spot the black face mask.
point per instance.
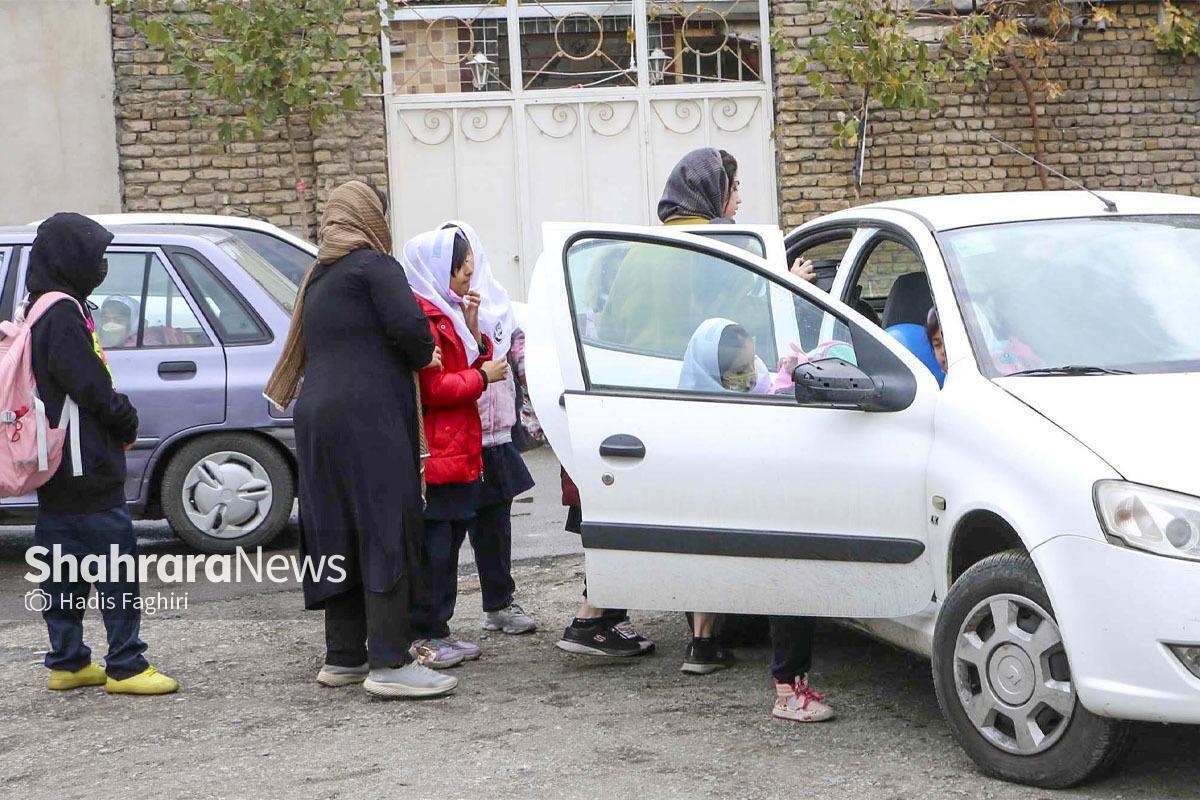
(103, 270)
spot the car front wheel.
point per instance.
(227, 491)
(1004, 683)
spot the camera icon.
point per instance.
(37, 600)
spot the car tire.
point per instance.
(999, 663)
(240, 482)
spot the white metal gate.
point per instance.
(526, 147)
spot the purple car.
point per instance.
(193, 321)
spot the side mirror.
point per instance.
(834, 383)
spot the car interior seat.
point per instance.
(909, 300)
(904, 314)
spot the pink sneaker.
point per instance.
(798, 702)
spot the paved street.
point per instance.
(528, 720)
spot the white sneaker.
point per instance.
(334, 676)
(798, 702)
(512, 620)
(411, 680)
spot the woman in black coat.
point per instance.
(357, 337)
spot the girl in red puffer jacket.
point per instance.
(439, 265)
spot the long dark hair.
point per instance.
(461, 248)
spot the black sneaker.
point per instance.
(625, 628)
(600, 639)
(705, 656)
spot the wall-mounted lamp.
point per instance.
(479, 64)
(658, 65)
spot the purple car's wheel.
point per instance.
(227, 491)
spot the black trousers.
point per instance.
(491, 539)
(792, 647)
(368, 627)
(443, 541)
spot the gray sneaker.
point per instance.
(470, 651)
(411, 680)
(511, 620)
(334, 676)
(436, 654)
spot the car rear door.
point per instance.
(720, 501)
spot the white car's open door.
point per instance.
(697, 498)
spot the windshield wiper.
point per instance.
(1072, 369)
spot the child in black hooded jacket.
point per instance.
(85, 515)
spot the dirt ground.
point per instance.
(527, 720)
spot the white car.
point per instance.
(287, 252)
(1032, 526)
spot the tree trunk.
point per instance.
(303, 195)
(1014, 61)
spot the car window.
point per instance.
(747, 241)
(141, 307)
(659, 316)
(281, 288)
(292, 261)
(234, 322)
(892, 284)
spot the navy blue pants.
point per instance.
(443, 539)
(791, 647)
(490, 532)
(82, 535)
(491, 539)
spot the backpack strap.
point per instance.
(39, 410)
(32, 313)
(70, 418)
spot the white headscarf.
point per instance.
(496, 318)
(427, 259)
(701, 363)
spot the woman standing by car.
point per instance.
(439, 265)
(357, 337)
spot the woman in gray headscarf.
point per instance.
(701, 189)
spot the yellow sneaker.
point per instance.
(150, 681)
(62, 680)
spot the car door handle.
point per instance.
(622, 445)
(176, 368)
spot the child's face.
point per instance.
(741, 375)
(939, 348)
(460, 282)
(114, 326)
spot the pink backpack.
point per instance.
(30, 450)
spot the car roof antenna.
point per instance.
(1109, 205)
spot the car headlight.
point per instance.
(1167, 523)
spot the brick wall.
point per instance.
(171, 160)
(1128, 120)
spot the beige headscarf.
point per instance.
(353, 220)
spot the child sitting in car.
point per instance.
(721, 357)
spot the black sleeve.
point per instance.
(74, 364)
(402, 319)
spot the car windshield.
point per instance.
(1080, 296)
(281, 288)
